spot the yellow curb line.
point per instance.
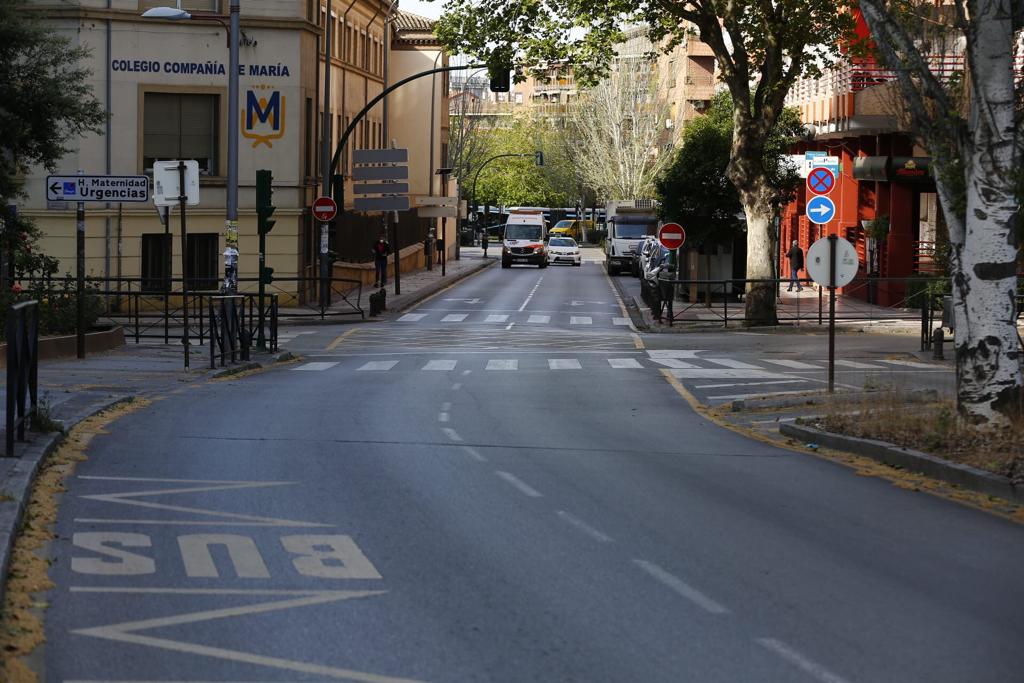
(340, 338)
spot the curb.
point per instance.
(915, 396)
(963, 476)
(22, 476)
(636, 316)
(280, 357)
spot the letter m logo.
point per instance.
(263, 120)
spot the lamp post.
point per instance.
(231, 221)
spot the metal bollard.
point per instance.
(937, 339)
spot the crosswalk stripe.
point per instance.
(412, 317)
(543, 319)
(912, 364)
(502, 364)
(674, 363)
(581, 320)
(620, 321)
(857, 365)
(496, 318)
(795, 364)
(731, 363)
(454, 317)
(726, 373)
(624, 363)
(564, 364)
(315, 366)
(378, 365)
(440, 365)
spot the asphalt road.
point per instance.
(505, 485)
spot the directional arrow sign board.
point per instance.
(818, 262)
(380, 156)
(97, 188)
(821, 180)
(438, 212)
(420, 200)
(381, 188)
(381, 204)
(380, 172)
(671, 235)
(820, 209)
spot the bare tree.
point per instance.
(619, 132)
(468, 137)
(972, 123)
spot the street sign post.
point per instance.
(97, 188)
(168, 181)
(820, 209)
(832, 262)
(821, 180)
(324, 209)
(671, 235)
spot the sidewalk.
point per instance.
(415, 286)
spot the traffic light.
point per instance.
(266, 275)
(539, 157)
(264, 209)
(501, 80)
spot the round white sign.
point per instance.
(846, 262)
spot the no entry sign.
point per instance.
(324, 209)
(821, 180)
(671, 235)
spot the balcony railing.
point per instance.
(852, 77)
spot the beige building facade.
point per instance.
(165, 86)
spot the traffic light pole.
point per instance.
(264, 224)
(339, 182)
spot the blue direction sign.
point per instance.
(820, 210)
(821, 180)
(97, 188)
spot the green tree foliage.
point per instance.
(695, 190)
(761, 46)
(46, 102)
(518, 181)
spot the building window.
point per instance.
(310, 137)
(203, 253)
(156, 261)
(180, 126)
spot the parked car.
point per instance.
(564, 250)
(643, 251)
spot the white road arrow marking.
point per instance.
(467, 301)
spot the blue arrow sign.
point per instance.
(820, 210)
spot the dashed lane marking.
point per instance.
(681, 587)
(584, 527)
(496, 318)
(518, 483)
(539, 319)
(454, 317)
(799, 660)
(581, 320)
(412, 317)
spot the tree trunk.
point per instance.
(984, 282)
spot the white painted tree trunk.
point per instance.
(985, 251)
(748, 177)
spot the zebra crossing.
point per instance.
(684, 365)
(485, 318)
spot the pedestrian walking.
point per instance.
(796, 264)
(483, 243)
(381, 249)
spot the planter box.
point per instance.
(66, 346)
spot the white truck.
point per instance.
(628, 221)
(523, 241)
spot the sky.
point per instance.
(431, 10)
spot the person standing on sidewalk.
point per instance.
(483, 243)
(381, 249)
(796, 263)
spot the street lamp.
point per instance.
(231, 222)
